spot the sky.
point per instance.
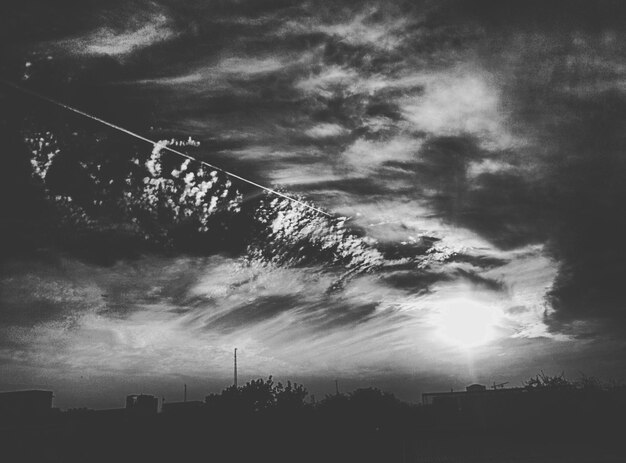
(470, 153)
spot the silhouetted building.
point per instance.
(111, 414)
(24, 404)
(478, 405)
(471, 393)
(476, 388)
(142, 404)
(182, 408)
(560, 409)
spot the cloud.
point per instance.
(139, 33)
(33, 294)
(295, 174)
(233, 69)
(488, 167)
(366, 154)
(265, 153)
(334, 80)
(486, 191)
(162, 317)
(326, 130)
(324, 82)
(528, 278)
(359, 31)
(460, 102)
(370, 27)
(249, 66)
(564, 182)
(167, 317)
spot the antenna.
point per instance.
(235, 369)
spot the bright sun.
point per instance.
(466, 323)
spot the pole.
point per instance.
(235, 369)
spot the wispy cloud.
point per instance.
(359, 31)
(200, 308)
(120, 42)
(250, 66)
(371, 27)
(325, 82)
(232, 75)
(326, 131)
(366, 154)
(295, 174)
(336, 80)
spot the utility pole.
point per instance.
(235, 369)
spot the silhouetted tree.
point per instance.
(546, 382)
(290, 397)
(260, 395)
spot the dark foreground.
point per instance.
(262, 439)
(263, 421)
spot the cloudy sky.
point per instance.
(471, 154)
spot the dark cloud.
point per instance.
(594, 14)
(414, 282)
(261, 309)
(506, 206)
(482, 282)
(577, 118)
(342, 315)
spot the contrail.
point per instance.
(156, 144)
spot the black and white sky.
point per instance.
(472, 154)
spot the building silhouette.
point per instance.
(472, 393)
(24, 405)
(142, 404)
(182, 408)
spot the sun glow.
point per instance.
(466, 323)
